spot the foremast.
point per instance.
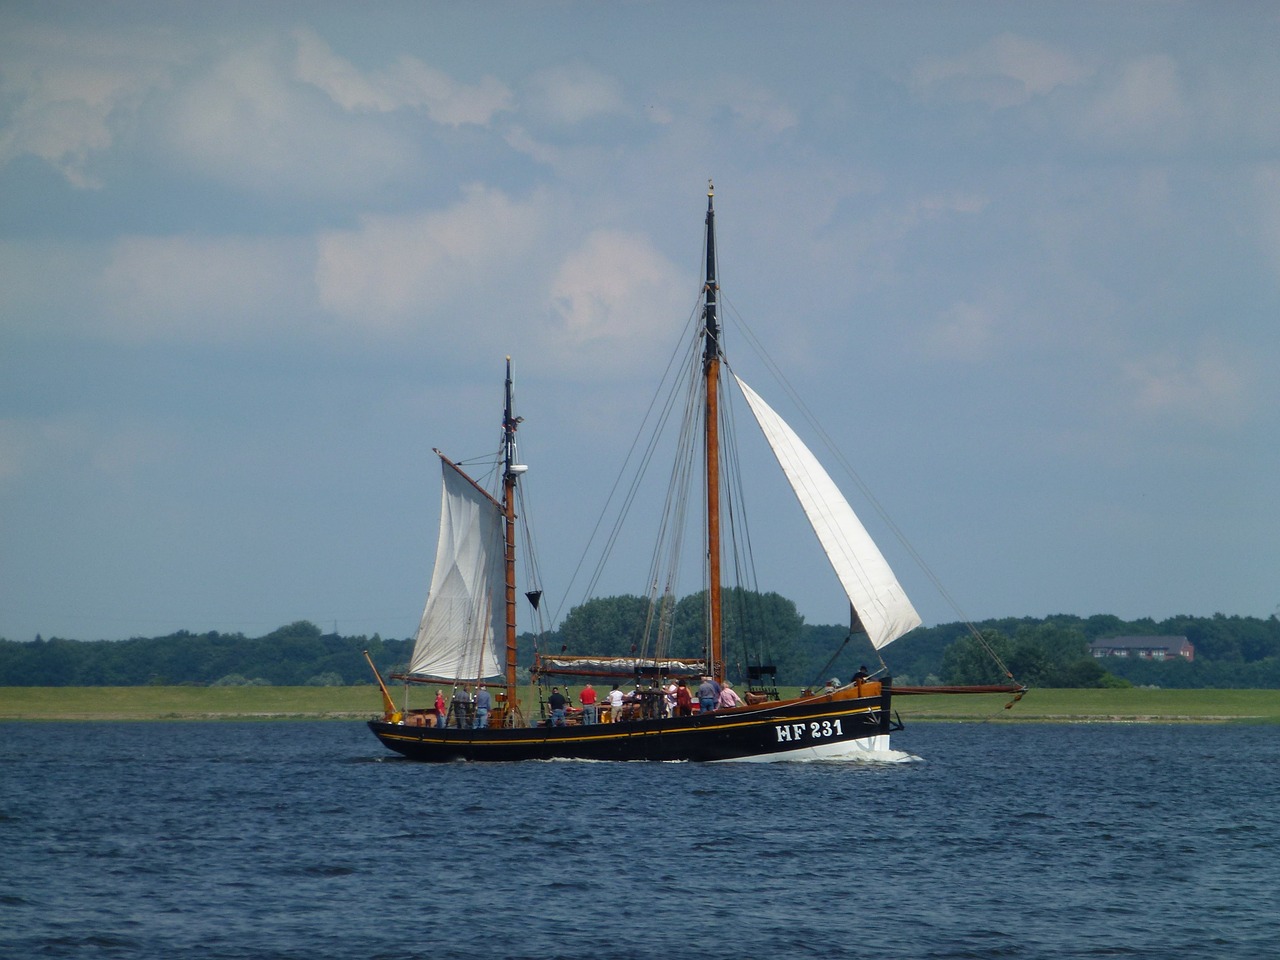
(510, 471)
(711, 434)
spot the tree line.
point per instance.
(1231, 652)
(762, 629)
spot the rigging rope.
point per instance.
(658, 419)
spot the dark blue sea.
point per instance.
(308, 841)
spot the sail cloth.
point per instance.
(464, 611)
(877, 597)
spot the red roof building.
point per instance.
(1144, 648)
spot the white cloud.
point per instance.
(68, 94)
(44, 283)
(445, 100)
(247, 121)
(394, 269)
(873, 245)
(1006, 71)
(315, 63)
(572, 94)
(201, 289)
(757, 108)
(495, 269)
(1143, 104)
(1204, 384)
(965, 331)
(408, 83)
(269, 114)
(616, 288)
(520, 140)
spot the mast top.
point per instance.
(510, 422)
(711, 322)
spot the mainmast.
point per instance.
(711, 373)
(510, 471)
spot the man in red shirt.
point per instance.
(588, 700)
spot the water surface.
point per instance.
(308, 840)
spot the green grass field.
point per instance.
(1259, 706)
(354, 703)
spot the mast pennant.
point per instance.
(878, 600)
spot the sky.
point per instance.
(1022, 261)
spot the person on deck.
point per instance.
(557, 703)
(728, 697)
(442, 709)
(861, 675)
(615, 704)
(461, 706)
(588, 700)
(684, 702)
(483, 703)
(632, 704)
(707, 695)
(669, 699)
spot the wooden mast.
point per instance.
(711, 374)
(509, 473)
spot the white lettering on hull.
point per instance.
(813, 730)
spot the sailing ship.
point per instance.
(466, 640)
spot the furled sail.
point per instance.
(877, 597)
(619, 667)
(464, 607)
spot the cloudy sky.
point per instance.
(257, 259)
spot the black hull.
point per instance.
(813, 728)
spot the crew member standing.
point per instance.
(615, 704)
(707, 695)
(461, 707)
(557, 702)
(483, 703)
(588, 700)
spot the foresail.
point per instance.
(877, 597)
(464, 607)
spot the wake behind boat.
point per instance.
(466, 642)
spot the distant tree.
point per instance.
(607, 625)
(330, 679)
(756, 628)
(918, 656)
(1231, 651)
(297, 629)
(1044, 655)
(1086, 672)
(968, 661)
(1103, 625)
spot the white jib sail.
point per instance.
(464, 606)
(876, 595)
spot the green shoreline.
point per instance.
(359, 703)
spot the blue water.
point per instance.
(307, 840)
